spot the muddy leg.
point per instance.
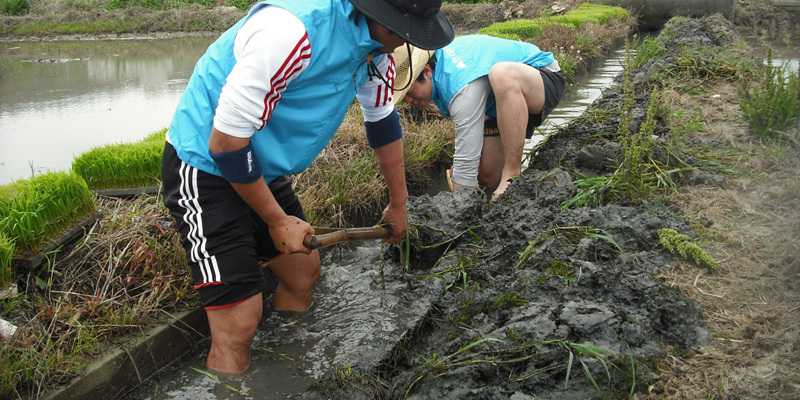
(296, 275)
(519, 91)
(232, 332)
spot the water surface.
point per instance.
(60, 99)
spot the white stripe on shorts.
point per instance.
(193, 217)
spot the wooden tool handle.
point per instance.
(343, 235)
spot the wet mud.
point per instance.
(536, 300)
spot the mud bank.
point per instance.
(541, 301)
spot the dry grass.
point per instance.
(126, 273)
(751, 306)
(344, 185)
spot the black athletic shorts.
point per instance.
(223, 237)
(554, 86)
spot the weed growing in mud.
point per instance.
(771, 103)
(587, 350)
(679, 243)
(630, 181)
(218, 380)
(570, 233)
(508, 299)
(497, 353)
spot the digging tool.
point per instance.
(328, 236)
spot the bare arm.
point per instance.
(287, 232)
(392, 164)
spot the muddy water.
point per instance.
(59, 99)
(362, 307)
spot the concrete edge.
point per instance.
(123, 368)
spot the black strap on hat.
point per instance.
(372, 70)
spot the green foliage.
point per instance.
(572, 234)
(517, 29)
(680, 243)
(125, 165)
(240, 4)
(156, 5)
(637, 149)
(508, 299)
(527, 29)
(583, 350)
(591, 13)
(6, 254)
(562, 269)
(51, 27)
(14, 7)
(650, 49)
(771, 103)
(36, 210)
(638, 175)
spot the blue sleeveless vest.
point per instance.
(312, 106)
(470, 57)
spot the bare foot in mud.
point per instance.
(501, 188)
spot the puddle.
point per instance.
(363, 306)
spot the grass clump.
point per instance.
(771, 103)
(36, 210)
(345, 183)
(123, 165)
(6, 255)
(679, 243)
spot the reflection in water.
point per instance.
(60, 99)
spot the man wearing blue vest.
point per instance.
(263, 101)
(496, 91)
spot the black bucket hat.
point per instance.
(419, 22)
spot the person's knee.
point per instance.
(501, 78)
(298, 273)
(489, 179)
(236, 326)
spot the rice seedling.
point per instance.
(123, 165)
(36, 210)
(6, 255)
(527, 29)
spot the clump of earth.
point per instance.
(538, 299)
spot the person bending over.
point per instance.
(496, 91)
(263, 101)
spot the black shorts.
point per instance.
(223, 237)
(554, 86)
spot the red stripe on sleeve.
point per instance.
(290, 67)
